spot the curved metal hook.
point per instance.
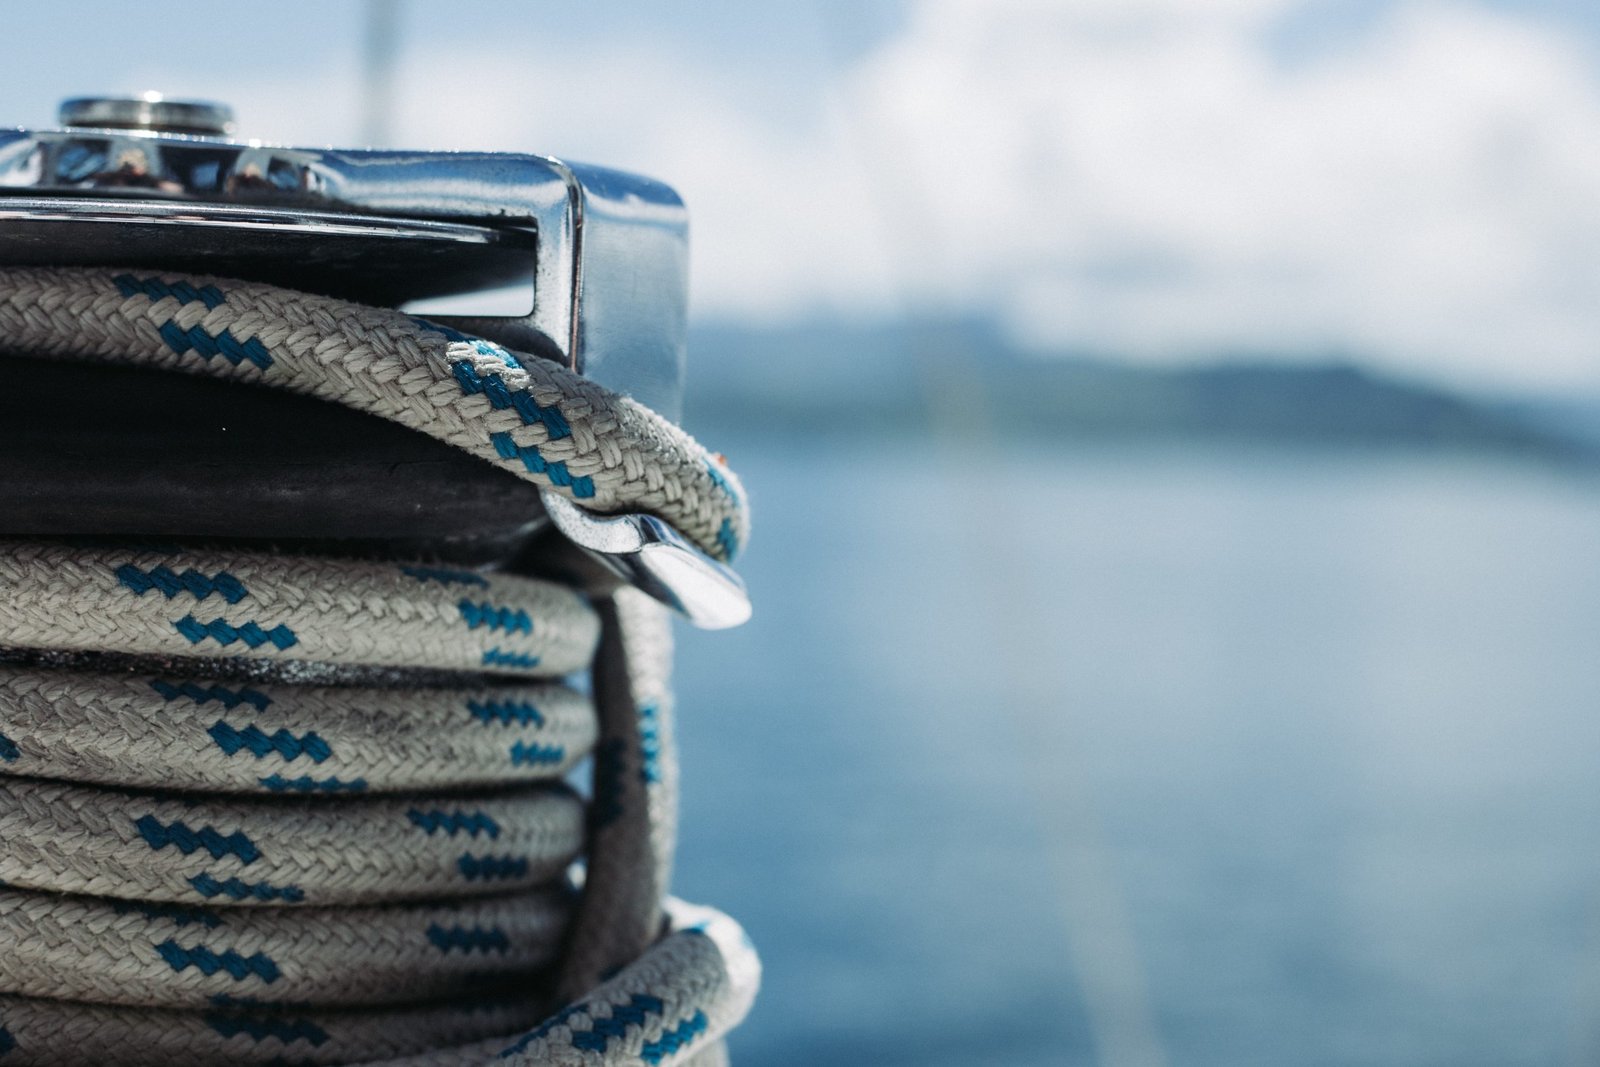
(653, 557)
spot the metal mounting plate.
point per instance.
(601, 255)
(367, 258)
(609, 249)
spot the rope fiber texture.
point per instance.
(264, 808)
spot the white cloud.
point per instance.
(1137, 177)
(1429, 197)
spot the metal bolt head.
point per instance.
(148, 111)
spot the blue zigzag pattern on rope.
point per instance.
(502, 396)
(720, 481)
(469, 939)
(285, 1030)
(7, 1042)
(479, 345)
(650, 744)
(454, 822)
(491, 868)
(234, 889)
(582, 486)
(727, 540)
(223, 344)
(445, 575)
(156, 289)
(170, 583)
(495, 657)
(511, 620)
(159, 835)
(279, 784)
(535, 755)
(671, 1041)
(207, 962)
(200, 694)
(8, 749)
(507, 712)
(225, 633)
(261, 744)
(636, 1012)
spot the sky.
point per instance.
(1412, 185)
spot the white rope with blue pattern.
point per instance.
(258, 808)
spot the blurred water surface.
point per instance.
(1055, 756)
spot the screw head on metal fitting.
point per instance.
(147, 111)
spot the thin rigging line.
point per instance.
(380, 44)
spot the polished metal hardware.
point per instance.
(597, 258)
(650, 555)
(603, 255)
(149, 111)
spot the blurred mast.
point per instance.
(380, 42)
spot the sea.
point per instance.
(1045, 753)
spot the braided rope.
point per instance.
(60, 1033)
(636, 769)
(75, 839)
(111, 952)
(364, 872)
(164, 732)
(286, 608)
(696, 982)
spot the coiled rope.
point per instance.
(259, 808)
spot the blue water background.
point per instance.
(1048, 754)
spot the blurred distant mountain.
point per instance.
(1574, 419)
(915, 378)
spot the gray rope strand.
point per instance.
(114, 952)
(691, 986)
(279, 851)
(166, 731)
(58, 1033)
(287, 608)
(654, 1030)
(634, 811)
(668, 1008)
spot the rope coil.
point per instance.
(164, 732)
(116, 952)
(74, 839)
(210, 854)
(287, 608)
